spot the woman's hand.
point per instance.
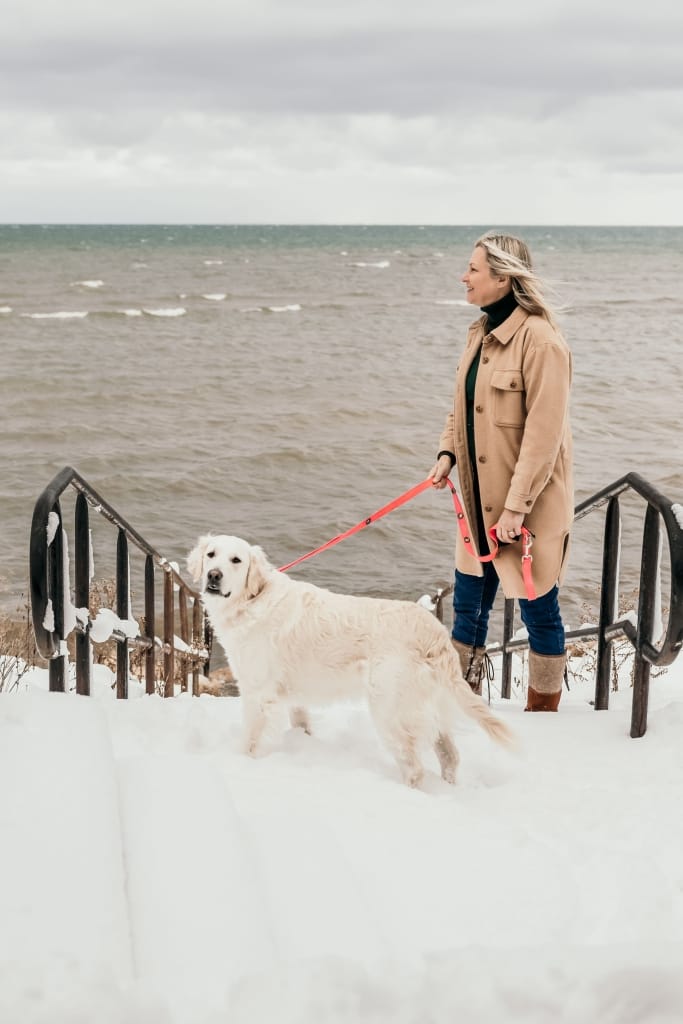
(509, 526)
(440, 471)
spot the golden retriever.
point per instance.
(291, 644)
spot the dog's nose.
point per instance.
(213, 578)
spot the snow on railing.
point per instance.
(56, 616)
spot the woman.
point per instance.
(509, 434)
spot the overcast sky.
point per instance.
(382, 111)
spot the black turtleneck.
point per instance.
(499, 310)
(496, 314)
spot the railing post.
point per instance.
(196, 641)
(150, 628)
(55, 593)
(184, 635)
(82, 592)
(208, 644)
(508, 630)
(169, 667)
(609, 601)
(123, 612)
(646, 620)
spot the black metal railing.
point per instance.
(659, 510)
(51, 597)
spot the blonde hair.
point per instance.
(508, 256)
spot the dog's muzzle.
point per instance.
(213, 581)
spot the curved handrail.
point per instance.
(48, 640)
(610, 627)
(672, 640)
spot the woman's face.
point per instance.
(481, 287)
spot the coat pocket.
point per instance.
(509, 406)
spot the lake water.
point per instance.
(281, 383)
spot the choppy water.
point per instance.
(281, 383)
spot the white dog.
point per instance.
(292, 644)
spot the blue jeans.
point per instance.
(473, 598)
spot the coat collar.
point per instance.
(505, 331)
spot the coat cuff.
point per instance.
(450, 455)
(517, 502)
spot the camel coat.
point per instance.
(523, 444)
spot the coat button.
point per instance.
(513, 383)
(488, 508)
(480, 408)
(527, 502)
(484, 359)
(482, 458)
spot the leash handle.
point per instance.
(527, 541)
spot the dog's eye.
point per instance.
(210, 554)
(235, 560)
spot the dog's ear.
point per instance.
(196, 557)
(259, 567)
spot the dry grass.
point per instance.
(18, 651)
(585, 652)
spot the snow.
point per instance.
(49, 617)
(107, 622)
(52, 527)
(154, 874)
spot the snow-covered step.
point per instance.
(199, 920)
(319, 903)
(62, 882)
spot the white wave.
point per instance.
(88, 284)
(452, 302)
(381, 264)
(5, 309)
(176, 311)
(213, 263)
(139, 266)
(131, 312)
(294, 307)
(215, 297)
(62, 315)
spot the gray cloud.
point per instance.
(244, 98)
(423, 71)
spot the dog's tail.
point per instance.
(474, 706)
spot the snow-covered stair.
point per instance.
(62, 871)
(198, 916)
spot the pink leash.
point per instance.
(527, 536)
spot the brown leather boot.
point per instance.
(546, 675)
(471, 664)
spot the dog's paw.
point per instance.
(299, 720)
